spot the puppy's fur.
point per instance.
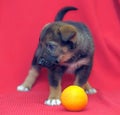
(65, 46)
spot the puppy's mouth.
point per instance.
(50, 62)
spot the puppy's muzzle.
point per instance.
(52, 61)
(43, 62)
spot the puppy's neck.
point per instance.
(71, 67)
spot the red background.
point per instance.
(20, 24)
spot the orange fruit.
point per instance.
(74, 98)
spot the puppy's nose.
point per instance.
(44, 62)
(49, 62)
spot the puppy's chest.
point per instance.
(73, 64)
(71, 68)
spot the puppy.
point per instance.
(65, 46)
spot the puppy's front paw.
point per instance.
(22, 88)
(91, 91)
(53, 102)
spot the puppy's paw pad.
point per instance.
(22, 88)
(91, 91)
(53, 102)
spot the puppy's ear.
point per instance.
(67, 32)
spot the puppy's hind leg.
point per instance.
(82, 76)
(29, 81)
(89, 89)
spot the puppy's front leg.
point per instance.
(55, 89)
(29, 81)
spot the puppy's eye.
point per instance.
(51, 47)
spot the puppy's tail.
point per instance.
(62, 12)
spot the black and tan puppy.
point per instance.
(64, 47)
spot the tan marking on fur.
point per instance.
(65, 57)
(72, 67)
(65, 49)
(55, 92)
(76, 81)
(31, 78)
(86, 86)
(67, 32)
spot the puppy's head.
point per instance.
(57, 44)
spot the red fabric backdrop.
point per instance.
(20, 25)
